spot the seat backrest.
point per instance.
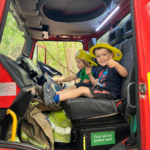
(128, 57)
(127, 29)
(115, 36)
(126, 47)
(127, 51)
(128, 62)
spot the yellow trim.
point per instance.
(85, 55)
(84, 142)
(14, 125)
(148, 78)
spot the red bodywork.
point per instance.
(6, 101)
(142, 31)
(2, 8)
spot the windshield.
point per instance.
(12, 39)
(59, 55)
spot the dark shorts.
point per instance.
(83, 84)
(101, 94)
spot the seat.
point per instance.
(84, 108)
(115, 37)
(128, 44)
(127, 29)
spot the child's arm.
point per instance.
(67, 79)
(86, 77)
(121, 70)
(92, 79)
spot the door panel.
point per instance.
(141, 12)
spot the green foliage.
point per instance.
(12, 39)
(59, 55)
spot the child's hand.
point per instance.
(111, 63)
(58, 81)
(88, 70)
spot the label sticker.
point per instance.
(118, 54)
(102, 138)
(8, 89)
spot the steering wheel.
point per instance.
(46, 68)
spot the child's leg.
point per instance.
(60, 92)
(70, 88)
(65, 90)
(51, 98)
(84, 91)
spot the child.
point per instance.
(108, 84)
(83, 60)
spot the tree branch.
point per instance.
(58, 61)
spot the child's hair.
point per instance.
(86, 63)
(109, 51)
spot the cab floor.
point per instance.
(60, 146)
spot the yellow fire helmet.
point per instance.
(117, 53)
(85, 55)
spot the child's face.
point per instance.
(103, 56)
(80, 63)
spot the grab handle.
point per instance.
(128, 95)
(14, 125)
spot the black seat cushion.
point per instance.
(83, 108)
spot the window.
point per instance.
(12, 40)
(104, 38)
(59, 55)
(122, 22)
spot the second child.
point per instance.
(83, 60)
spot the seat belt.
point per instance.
(131, 142)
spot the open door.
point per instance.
(141, 32)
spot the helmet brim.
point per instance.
(117, 53)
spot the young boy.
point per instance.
(83, 60)
(108, 84)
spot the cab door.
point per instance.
(140, 10)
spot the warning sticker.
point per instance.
(102, 138)
(7, 89)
